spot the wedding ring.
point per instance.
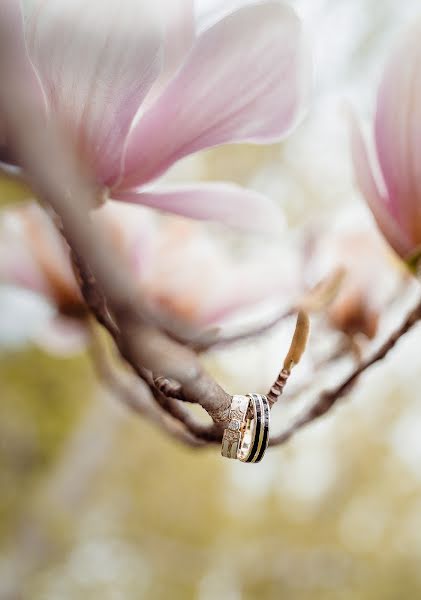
(255, 437)
(234, 432)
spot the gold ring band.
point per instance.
(234, 432)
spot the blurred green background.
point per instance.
(96, 504)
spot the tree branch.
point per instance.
(135, 394)
(329, 398)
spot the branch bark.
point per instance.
(135, 394)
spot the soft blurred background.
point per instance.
(96, 504)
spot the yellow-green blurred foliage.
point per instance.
(96, 504)
(12, 191)
(41, 401)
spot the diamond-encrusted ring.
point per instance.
(255, 437)
(236, 426)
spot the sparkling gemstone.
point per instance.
(234, 425)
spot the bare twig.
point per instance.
(296, 350)
(135, 394)
(314, 300)
(212, 339)
(329, 398)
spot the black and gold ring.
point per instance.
(256, 436)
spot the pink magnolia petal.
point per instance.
(377, 202)
(97, 61)
(242, 81)
(179, 36)
(209, 12)
(190, 275)
(246, 288)
(19, 64)
(132, 231)
(167, 260)
(398, 131)
(222, 202)
(34, 256)
(180, 24)
(18, 266)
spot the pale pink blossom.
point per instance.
(34, 257)
(389, 174)
(369, 274)
(139, 87)
(368, 282)
(185, 273)
(188, 273)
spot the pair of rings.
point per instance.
(247, 434)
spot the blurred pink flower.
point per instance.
(138, 88)
(189, 274)
(390, 177)
(183, 271)
(34, 257)
(365, 260)
(370, 276)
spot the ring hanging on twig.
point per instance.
(247, 434)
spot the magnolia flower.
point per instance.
(191, 275)
(390, 178)
(34, 257)
(184, 272)
(357, 308)
(369, 276)
(138, 88)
